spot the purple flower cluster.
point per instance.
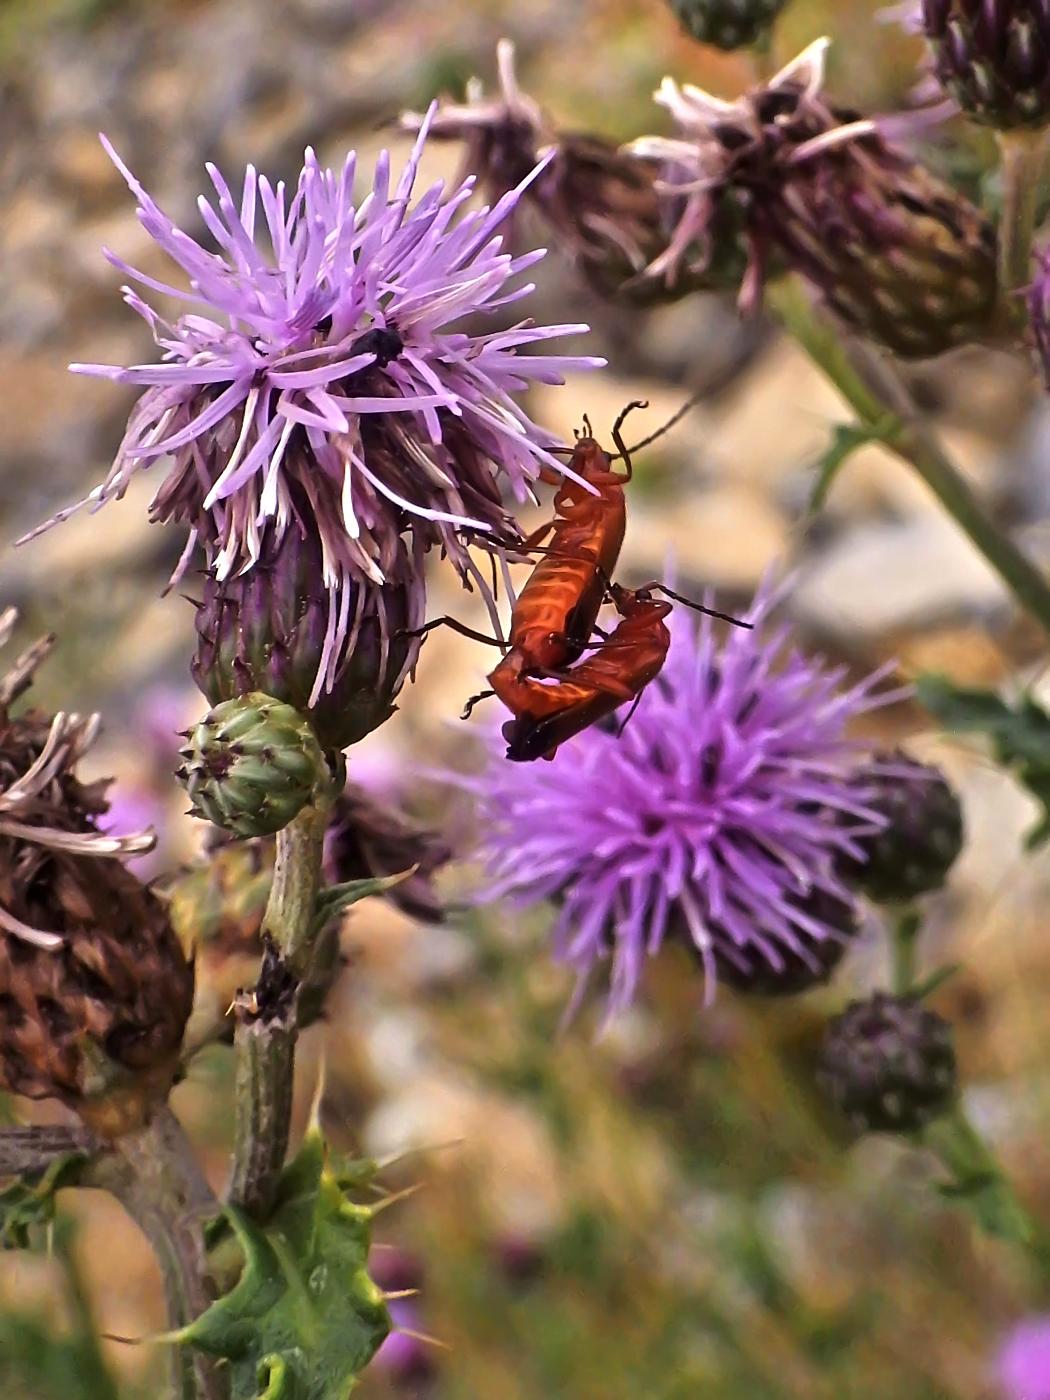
(319, 381)
(718, 816)
(1023, 1363)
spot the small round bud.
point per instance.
(728, 24)
(888, 1064)
(993, 57)
(251, 765)
(769, 967)
(922, 835)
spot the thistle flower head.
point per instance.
(320, 377)
(1023, 1362)
(716, 816)
(44, 807)
(94, 989)
(602, 202)
(728, 24)
(892, 249)
(992, 57)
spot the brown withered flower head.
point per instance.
(896, 252)
(94, 988)
(602, 202)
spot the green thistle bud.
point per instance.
(252, 764)
(922, 835)
(993, 57)
(728, 24)
(888, 1064)
(271, 630)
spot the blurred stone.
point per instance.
(881, 577)
(728, 535)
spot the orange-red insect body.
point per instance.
(547, 714)
(555, 613)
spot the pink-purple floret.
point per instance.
(722, 806)
(271, 341)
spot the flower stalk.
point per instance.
(155, 1176)
(267, 1019)
(1023, 161)
(873, 388)
(977, 1180)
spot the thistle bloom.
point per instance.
(1023, 1363)
(992, 56)
(319, 377)
(719, 816)
(893, 250)
(603, 203)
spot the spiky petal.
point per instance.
(321, 376)
(718, 815)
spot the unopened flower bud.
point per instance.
(993, 57)
(728, 24)
(922, 833)
(888, 1064)
(252, 765)
(271, 630)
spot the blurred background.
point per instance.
(665, 1211)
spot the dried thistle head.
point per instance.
(94, 988)
(892, 249)
(603, 202)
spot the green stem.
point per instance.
(977, 1180)
(907, 923)
(156, 1178)
(1023, 161)
(871, 385)
(267, 1020)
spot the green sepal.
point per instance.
(1020, 736)
(304, 1318)
(332, 900)
(27, 1206)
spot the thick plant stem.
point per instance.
(977, 1181)
(29, 1150)
(1023, 164)
(267, 1019)
(873, 388)
(155, 1176)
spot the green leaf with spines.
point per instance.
(304, 1318)
(1019, 734)
(334, 899)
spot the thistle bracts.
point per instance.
(272, 630)
(993, 58)
(94, 988)
(898, 254)
(251, 765)
(765, 967)
(602, 203)
(728, 24)
(921, 835)
(888, 1064)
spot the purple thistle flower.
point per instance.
(1023, 1362)
(317, 379)
(720, 815)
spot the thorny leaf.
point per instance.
(336, 898)
(304, 1319)
(1020, 736)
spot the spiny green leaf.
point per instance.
(846, 439)
(304, 1318)
(336, 898)
(1019, 734)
